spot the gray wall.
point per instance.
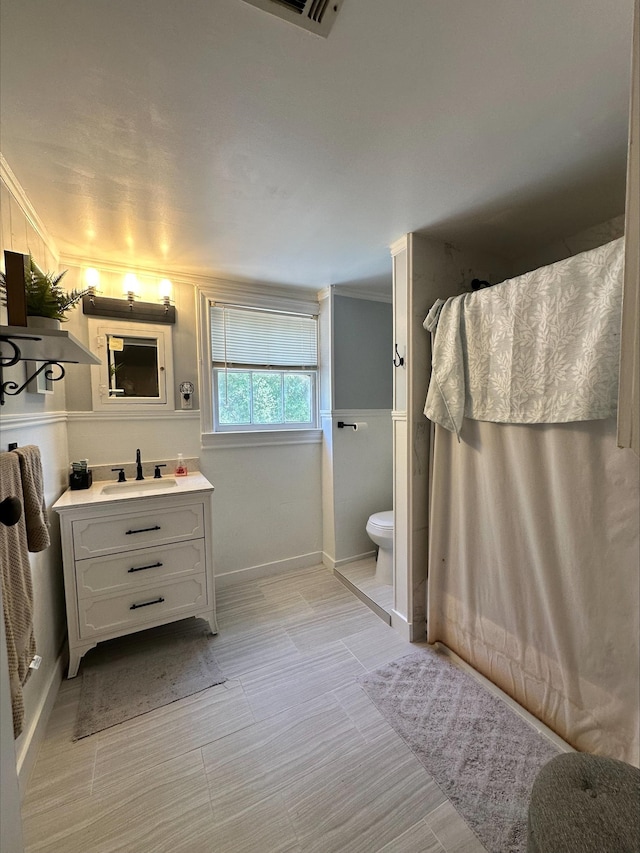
(362, 351)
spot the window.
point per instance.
(264, 367)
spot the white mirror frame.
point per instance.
(99, 328)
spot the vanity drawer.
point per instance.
(123, 572)
(160, 603)
(110, 534)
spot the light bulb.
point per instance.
(131, 286)
(165, 288)
(92, 278)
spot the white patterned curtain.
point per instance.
(540, 348)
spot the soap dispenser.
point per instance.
(181, 468)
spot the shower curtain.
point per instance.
(534, 571)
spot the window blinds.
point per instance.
(247, 337)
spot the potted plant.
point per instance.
(46, 299)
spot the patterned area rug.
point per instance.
(129, 676)
(483, 756)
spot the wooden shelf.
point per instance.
(37, 344)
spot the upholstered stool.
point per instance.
(585, 804)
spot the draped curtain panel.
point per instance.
(533, 572)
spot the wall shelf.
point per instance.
(51, 347)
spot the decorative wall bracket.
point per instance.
(12, 388)
(52, 348)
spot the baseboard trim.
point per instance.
(266, 570)
(346, 560)
(34, 735)
(328, 561)
(400, 624)
(332, 564)
(364, 598)
(419, 632)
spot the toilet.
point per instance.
(380, 530)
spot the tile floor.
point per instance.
(288, 755)
(361, 574)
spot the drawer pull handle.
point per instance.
(147, 603)
(143, 530)
(142, 568)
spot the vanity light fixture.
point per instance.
(130, 308)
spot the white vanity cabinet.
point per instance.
(135, 560)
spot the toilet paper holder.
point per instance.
(362, 425)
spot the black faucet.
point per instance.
(138, 466)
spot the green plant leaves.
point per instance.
(45, 296)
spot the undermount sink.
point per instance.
(139, 486)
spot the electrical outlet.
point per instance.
(186, 394)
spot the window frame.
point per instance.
(270, 298)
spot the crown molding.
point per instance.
(275, 297)
(399, 245)
(15, 188)
(353, 293)
(359, 293)
(223, 288)
(122, 267)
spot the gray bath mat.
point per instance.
(482, 755)
(129, 676)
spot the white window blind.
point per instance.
(255, 337)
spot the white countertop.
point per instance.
(167, 486)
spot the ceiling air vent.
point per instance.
(316, 16)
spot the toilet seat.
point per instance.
(381, 522)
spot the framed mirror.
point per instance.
(137, 365)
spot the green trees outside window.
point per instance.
(260, 397)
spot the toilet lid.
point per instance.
(382, 519)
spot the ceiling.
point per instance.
(210, 137)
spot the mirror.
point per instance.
(137, 365)
(133, 366)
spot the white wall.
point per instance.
(563, 248)
(267, 505)
(41, 420)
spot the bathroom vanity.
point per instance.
(136, 555)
